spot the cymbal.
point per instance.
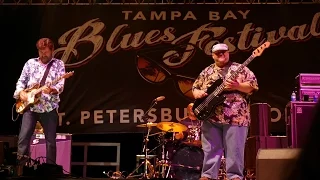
(171, 127)
(149, 124)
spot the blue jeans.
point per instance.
(223, 138)
(49, 122)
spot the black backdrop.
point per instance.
(109, 80)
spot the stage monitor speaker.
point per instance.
(255, 143)
(275, 164)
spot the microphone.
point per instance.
(154, 102)
(160, 98)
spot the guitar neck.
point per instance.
(240, 68)
(233, 75)
(49, 84)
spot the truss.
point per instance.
(151, 2)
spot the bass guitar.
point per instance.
(203, 108)
(34, 92)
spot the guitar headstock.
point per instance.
(260, 49)
(68, 74)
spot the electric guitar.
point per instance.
(34, 92)
(203, 108)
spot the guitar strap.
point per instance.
(43, 80)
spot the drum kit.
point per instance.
(179, 152)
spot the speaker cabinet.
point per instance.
(260, 119)
(275, 164)
(299, 116)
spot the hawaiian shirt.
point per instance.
(236, 108)
(32, 74)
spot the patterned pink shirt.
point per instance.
(32, 73)
(235, 110)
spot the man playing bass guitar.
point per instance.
(41, 70)
(226, 131)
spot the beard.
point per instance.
(45, 59)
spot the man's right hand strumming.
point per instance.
(23, 96)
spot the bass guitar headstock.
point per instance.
(257, 52)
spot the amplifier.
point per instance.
(309, 93)
(64, 143)
(298, 117)
(307, 80)
(11, 140)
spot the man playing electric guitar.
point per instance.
(226, 131)
(41, 70)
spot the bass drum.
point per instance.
(187, 163)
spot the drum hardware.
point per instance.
(146, 162)
(194, 136)
(147, 175)
(114, 175)
(163, 163)
(250, 174)
(149, 125)
(222, 170)
(188, 167)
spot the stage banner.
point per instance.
(124, 57)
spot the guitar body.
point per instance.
(33, 98)
(34, 93)
(203, 113)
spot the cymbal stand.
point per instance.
(146, 117)
(146, 163)
(145, 174)
(163, 160)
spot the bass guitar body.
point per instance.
(204, 108)
(33, 98)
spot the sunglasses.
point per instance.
(155, 73)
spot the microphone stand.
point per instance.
(146, 117)
(145, 175)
